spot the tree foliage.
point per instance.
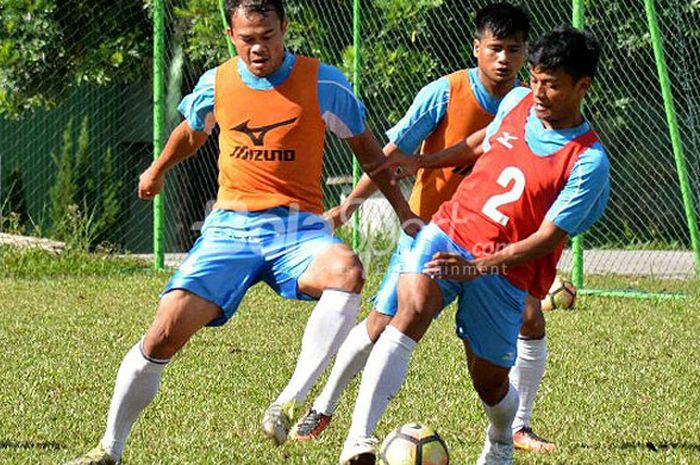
(78, 214)
(47, 48)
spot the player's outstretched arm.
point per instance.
(369, 154)
(182, 143)
(341, 214)
(462, 154)
(364, 189)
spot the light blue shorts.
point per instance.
(489, 307)
(240, 249)
(386, 301)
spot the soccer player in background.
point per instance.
(444, 113)
(543, 176)
(273, 109)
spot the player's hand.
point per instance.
(399, 165)
(411, 223)
(338, 216)
(451, 265)
(150, 184)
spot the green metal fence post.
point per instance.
(356, 173)
(158, 123)
(674, 130)
(225, 20)
(578, 20)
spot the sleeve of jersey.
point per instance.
(506, 106)
(343, 113)
(584, 197)
(421, 119)
(198, 106)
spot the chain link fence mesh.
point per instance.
(91, 121)
(644, 234)
(75, 109)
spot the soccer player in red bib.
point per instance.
(540, 175)
(444, 113)
(273, 109)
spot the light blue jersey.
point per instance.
(585, 195)
(342, 112)
(429, 108)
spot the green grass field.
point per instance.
(622, 386)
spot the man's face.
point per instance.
(259, 40)
(499, 59)
(557, 94)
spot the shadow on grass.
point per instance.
(30, 445)
(662, 446)
(649, 445)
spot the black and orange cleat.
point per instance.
(310, 425)
(525, 439)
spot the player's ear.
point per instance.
(229, 33)
(285, 25)
(583, 85)
(476, 47)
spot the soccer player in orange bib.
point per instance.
(443, 113)
(539, 175)
(273, 109)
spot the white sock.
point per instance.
(328, 326)
(526, 376)
(136, 386)
(501, 417)
(384, 374)
(351, 358)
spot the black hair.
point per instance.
(502, 20)
(576, 51)
(254, 6)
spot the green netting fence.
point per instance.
(76, 92)
(75, 123)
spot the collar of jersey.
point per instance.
(270, 81)
(487, 101)
(545, 141)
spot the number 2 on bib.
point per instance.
(508, 175)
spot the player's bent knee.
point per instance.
(180, 314)
(413, 320)
(337, 267)
(348, 275)
(355, 274)
(491, 390)
(376, 324)
(533, 329)
(490, 380)
(419, 301)
(534, 326)
(160, 342)
(415, 301)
